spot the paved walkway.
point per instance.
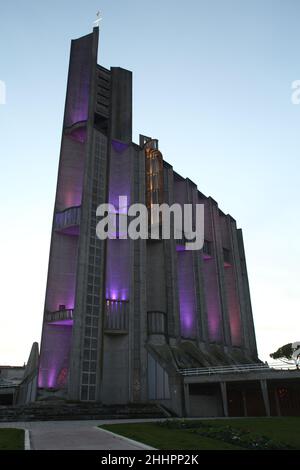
(74, 435)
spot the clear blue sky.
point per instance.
(212, 81)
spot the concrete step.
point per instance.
(45, 411)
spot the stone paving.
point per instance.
(74, 435)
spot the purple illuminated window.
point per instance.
(187, 297)
(118, 251)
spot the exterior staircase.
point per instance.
(64, 411)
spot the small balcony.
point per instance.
(68, 221)
(116, 316)
(62, 317)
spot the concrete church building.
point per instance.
(123, 318)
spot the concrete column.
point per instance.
(278, 409)
(247, 299)
(224, 398)
(265, 395)
(244, 402)
(121, 104)
(192, 198)
(173, 326)
(187, 399)
(237, 281)
(218, 245)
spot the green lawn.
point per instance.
(11, 439)
(285, 430)
(281, 433)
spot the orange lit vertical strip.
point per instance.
(154, 177)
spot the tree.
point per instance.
(290, 351)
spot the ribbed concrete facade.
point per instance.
(122, 316)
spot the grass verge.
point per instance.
(11, 439)
(226, 434)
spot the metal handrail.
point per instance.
(67, 218)
(7, 384)
(65, 314)
(234, 369)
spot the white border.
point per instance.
(131, 441)
(27, 440)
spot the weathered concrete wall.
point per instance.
(205, 406)
(27, 390)
(115, 379)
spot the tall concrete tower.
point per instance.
(122, 316)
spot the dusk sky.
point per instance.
(212, 82)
